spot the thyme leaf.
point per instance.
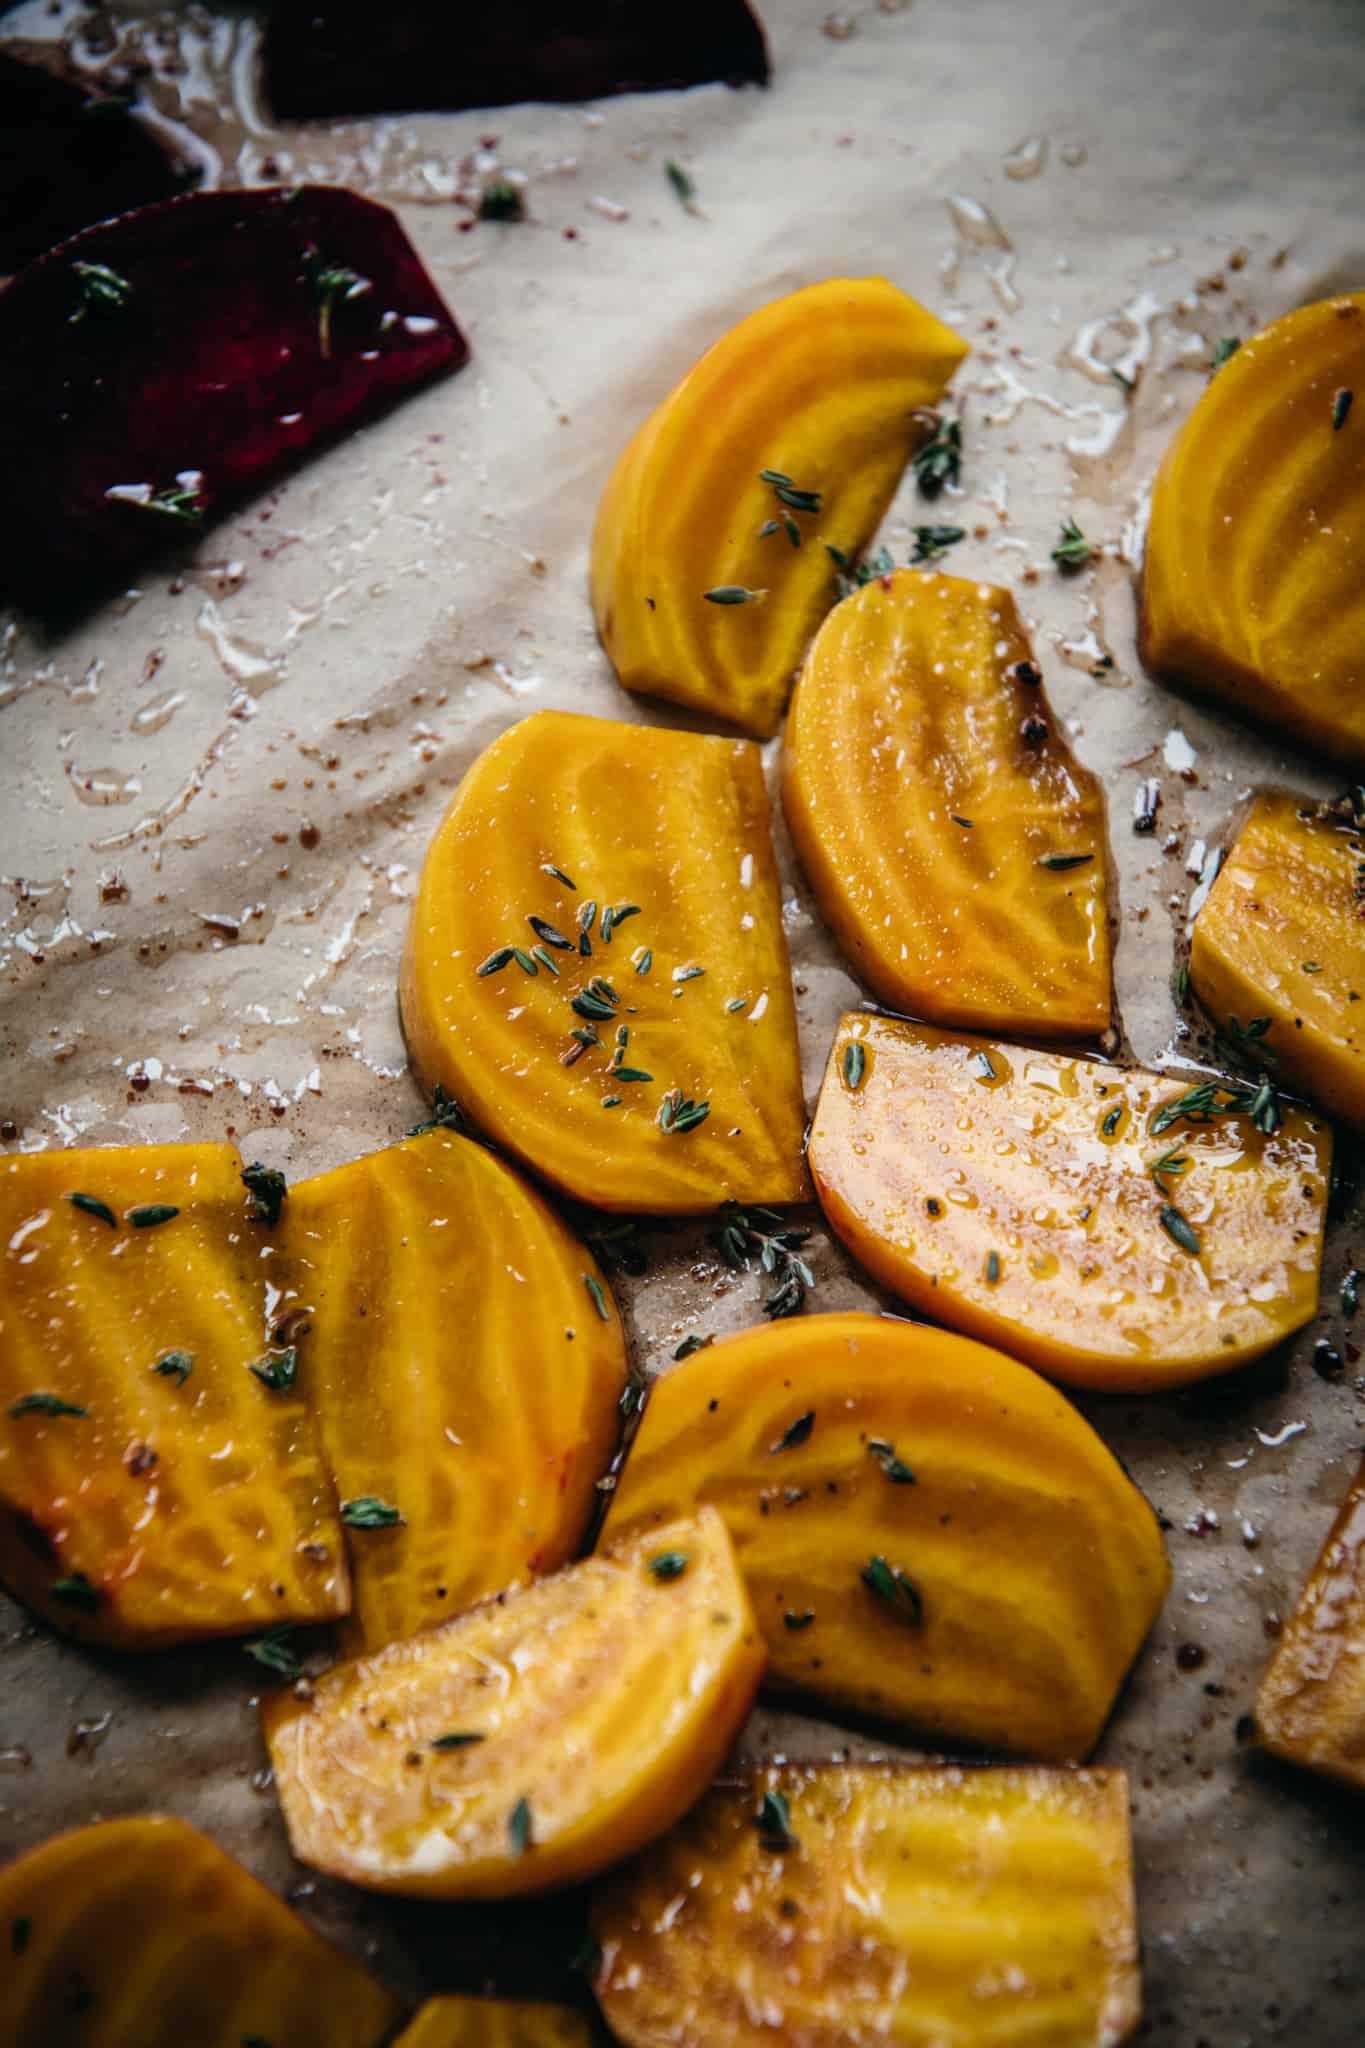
(446, 1115)
(519, 1828)
(76, 1591)
(1179, 1229)
(175, 1365)
(91, 1205)
(459, 1738)
(1223, 352)
(795, 1435)
(367, 1512)
(1073, 551)
(933, 541)
(44, 1404)
(896, 1469)
(939, 461)
(275, 1650)
(151, 1214)
(855, 1065)
(668, 1564)
(682, 185)
(732, 593)
(895, 1588)
(597, 1295)
(278, 1370)
(773, 1821)
(267, 1188)
(1341, 409)
(743, 1232)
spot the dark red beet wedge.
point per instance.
(328, 57)
(70, 155)
(161, 367)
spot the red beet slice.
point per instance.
(164, 365)
(326, 57)
(70, 155)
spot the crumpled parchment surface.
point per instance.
(218, 789)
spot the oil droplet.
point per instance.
(1027, 159)
(160, 711)
(102, 786)
(976, 223)
(15, 1759)
(1073, 154)
(839, 27)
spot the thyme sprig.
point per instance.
(446, 1115)
(933, 541)
(267, 1187)
(275, 1650)
(774, 1823)
(332, 285)
(678, 1113)
(939, 461)
(850, 576)
(1223, 352)
(1073, 551)
(102, 290)
(1257, 1096)
(743, 1232)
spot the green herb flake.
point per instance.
(519, 1828)
(1312, 966)
(992, 1269)
(1173, 1161)
(546, 960)
(933, 541)
(735, 1003)
(794, 1623)
(895, 1469)
(678, 1113)
(939, 461)
(524, 961)
(152, 1214)
(1350, 1293)
(645, 962)
(855, 1065)
(597, 1294)
(691, 1345)
(277, 1370)
(1112, 1121)
(547, 867)
(773, 1821)
(267, 1188)
(1341, 409)
(744, 1231)
(91, 1205)
(1223, 352)
(667, 1564)
(275, 1650)
(446, 1115)
(460, 1738)
(1060, 863)
(630, 1074)
(175, 1365)
(796, 1434)
(732, 593)
(895, 1588)
(682, 185)
(102, 290)
(548, 934)
(496, 961)
(44, 1404)
(367, 1512)
(692, 973)
(965, 823)
(1073, 551)
(173, 501)
(985, 1065)
(502, 201)
(1179, 1229)
(76, 1591)
(332, 285)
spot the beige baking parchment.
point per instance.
(218, 789)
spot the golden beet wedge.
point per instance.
(710, 557)
(1114, 1228)
(1311, 1706)
(955, 844)
(533, 1741)
(494, 2023)
(930, 1533)
(861, 1903)
(1253, 586)
(466, 1362)
(160, 1474)
(143, 1934)
(1281, 937)
(597, 968)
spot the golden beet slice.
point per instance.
(160, 1475)
(596, 966)
(1068, 1211)
(494, 2023)
(533, 1741)
(466, 1362)
(1311, 1706)
(954, 842)
(860, 1903)
(143, 1934)
(1281, 936)
(1253, 587)
(710, 557)
(930, 1533)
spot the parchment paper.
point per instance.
(217, 791)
